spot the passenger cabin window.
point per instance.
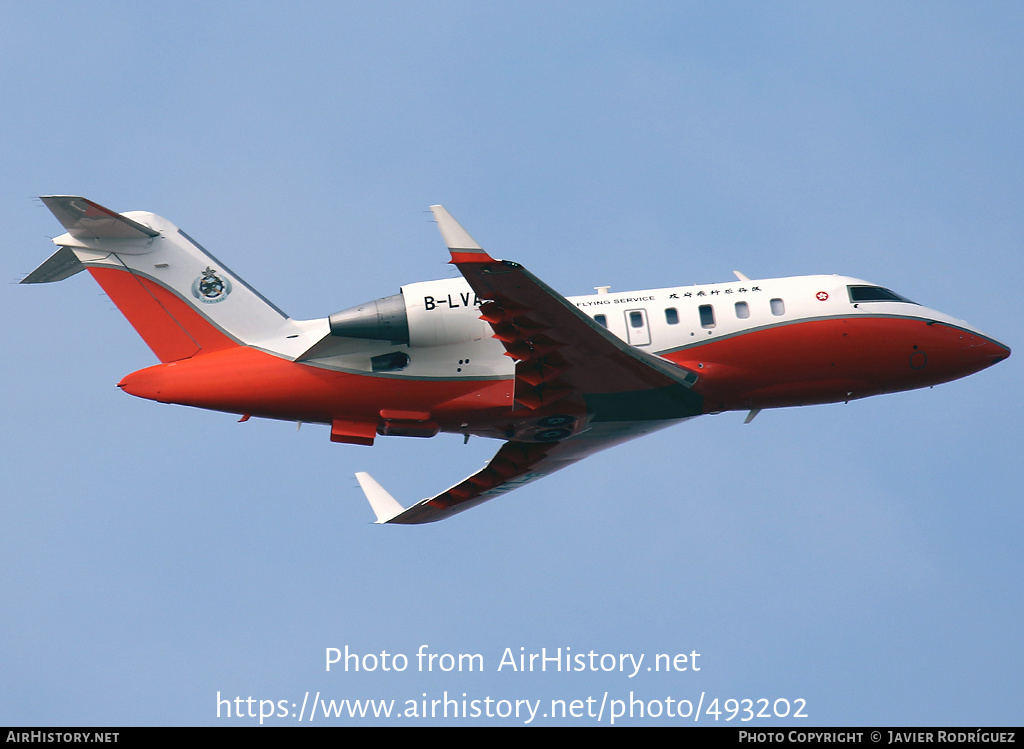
(778, 307)
(636, 319)
(672, 316)
(601, 320)
(742, 310)
(707, 316)
(874, 294)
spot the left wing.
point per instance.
(516, 464)
(579, 389)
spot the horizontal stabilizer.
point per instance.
(60, 265)
(86, 220)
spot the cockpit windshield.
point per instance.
(874, 294)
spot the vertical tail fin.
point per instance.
(177, 296)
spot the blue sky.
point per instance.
(863, 557)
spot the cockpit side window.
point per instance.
(874, 294)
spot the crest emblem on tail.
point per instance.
(211, 288)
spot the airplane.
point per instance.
(497, 353)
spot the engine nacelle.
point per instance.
(383, 319)
(429, 313)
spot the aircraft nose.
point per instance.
(979, 351)
(945, 351)
(991, 350)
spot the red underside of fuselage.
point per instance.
(832, 359)
(244, 380)
(801, 363)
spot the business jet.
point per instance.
(497, 353)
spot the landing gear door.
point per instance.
(637, 330)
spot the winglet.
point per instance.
(463, 247)
(384, 505)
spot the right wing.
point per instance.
(561, 352)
